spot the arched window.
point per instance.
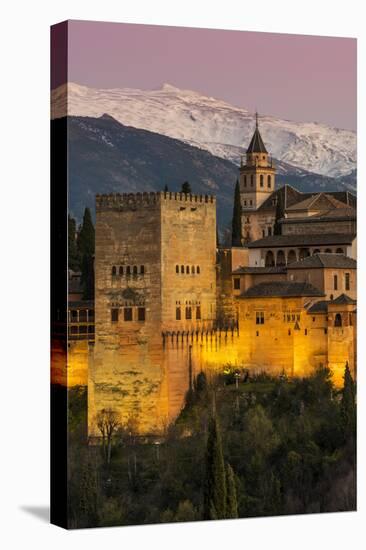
(193, 269)
(328, 251)
(182, 268)
(304, 253)
(187, 269)
(281, 260)
(261, 180)
(142, 269)
(269, 262)
(316, 251)
(335, 282)
(114, 270)
(198, 270)
(251, 180)
(291, 257)
(269, 182)
(338, 320)
(135, 269)
(339, 251)
(128, 270)
(245, 181)
(177, 268)
(121, 269)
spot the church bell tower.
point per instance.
(257, 174)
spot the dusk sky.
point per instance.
(302, 78)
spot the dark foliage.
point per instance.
(237, 237)
(291, 444)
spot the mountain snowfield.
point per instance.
(214, 125)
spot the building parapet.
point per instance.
(116, 200)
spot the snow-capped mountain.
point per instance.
(213, 125)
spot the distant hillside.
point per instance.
(108, 157)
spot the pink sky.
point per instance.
(307, 78)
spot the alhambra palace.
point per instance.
(169, 302)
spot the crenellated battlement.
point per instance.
(135, 200)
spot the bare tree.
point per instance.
(108, 422)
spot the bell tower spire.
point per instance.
(257, 175)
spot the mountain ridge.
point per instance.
(106, 156)
(205, 121)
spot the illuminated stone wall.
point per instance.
(154, 253)
(293, 340)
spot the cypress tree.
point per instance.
(236, 234)
(86, 245)
(186, 188)
(348, 403)
(215, 478)
(231, 500)
(74, 260)
(86, 237)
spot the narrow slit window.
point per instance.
(141, 314)
(127, 314)
(114, 315)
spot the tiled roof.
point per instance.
(260, 270)
(319, 307)
(285, 196)
(324, 260)
(338, 214)
(320, 201)
(343, 299)
(288, 196)
(281, 289)
(302, 240)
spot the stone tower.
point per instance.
(257, 179)
(154, 273)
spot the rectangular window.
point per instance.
(335, 281)
(74, 316)
(114, 315)
(236, 283)
(347, 285)
(141, 314)
(259, 317)
(127, 313)
(198, 312)
(178, 315)
(188, 312)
